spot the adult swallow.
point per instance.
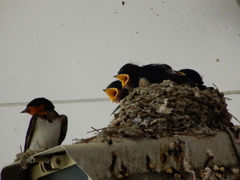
(115, 91)
(46, 128)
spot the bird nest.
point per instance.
(166, 109)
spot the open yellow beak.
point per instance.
(124, 78)
(112, 93)
(180, 73)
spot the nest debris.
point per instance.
(22, 157)
(166, 109)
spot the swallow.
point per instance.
(46, 128)
(155, 73)
(132, 75)
(192, 75)
(129, 75)
(194, 79)
(116, 92)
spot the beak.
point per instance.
(112, 93)
(25, 110)
(180, 73)
(124, 78)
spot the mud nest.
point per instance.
(166, 109)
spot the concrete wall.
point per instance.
(71, 50)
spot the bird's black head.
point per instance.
(38, 105)
(115, 91)
(193, 76)
(129, 75)
(115, 84)
(128, 68)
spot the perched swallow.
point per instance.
(115, 91)
(46, 128)
(132, 75)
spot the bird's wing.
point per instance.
(63, 132)
(155, 73)
(115, 109)
(30, 131)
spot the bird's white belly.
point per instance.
(46, 134)
(143, 82)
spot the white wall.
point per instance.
(72, 49)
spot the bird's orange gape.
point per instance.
(124, 78)
(112, 93)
